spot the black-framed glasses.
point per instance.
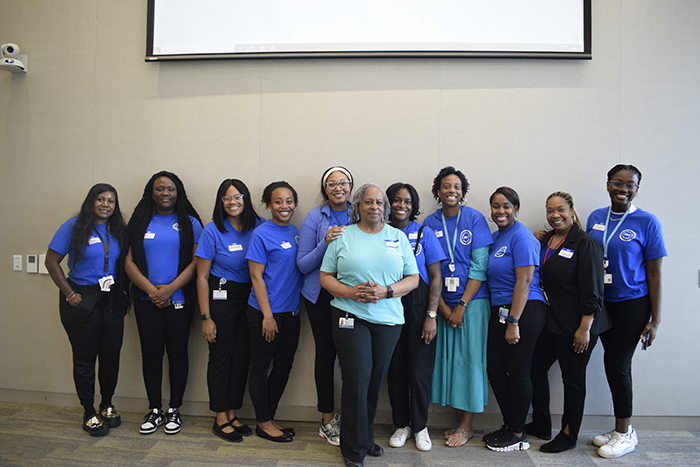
(619, 185)
(342, 184)
(228, 199)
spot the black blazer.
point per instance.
(574, 286)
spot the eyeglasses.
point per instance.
(619, 185)
(343, 184)
(228, 199)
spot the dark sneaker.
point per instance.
(173, 423)
(508, 441)
(94, 426)
(152, 421)
(494, 434)
(111, 417)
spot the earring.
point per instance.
(547, 227)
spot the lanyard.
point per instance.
(105, 248)
(451, 247)
(550, 251)
(606, 239)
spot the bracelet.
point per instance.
(69, 297)
(206, 317)
(513, 320)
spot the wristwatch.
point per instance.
(432, 314)
(513, 320)
(389, 292)
(462, 303)
(206, 317)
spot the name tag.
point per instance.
(392, 243)
(346, 323)
(452, 283)
(566, 253)
(93, 240)
(607, 279)
(600, 227)
(438, 233)
(235, 247)
(219, 294)
(413, 236)
(149, 236)
(286, 245)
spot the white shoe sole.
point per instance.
(399, 442)
(521, 446)
(332, 442)
(605, 455)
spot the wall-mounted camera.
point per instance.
(11, 60)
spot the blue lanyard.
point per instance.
(451, 248)
(606, 239)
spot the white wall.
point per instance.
(91, 110)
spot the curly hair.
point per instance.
(415, 199)
(444, 172)
(360, 195)
(570, 200)
(141, 218)
(250, 217)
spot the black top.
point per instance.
(574, 285)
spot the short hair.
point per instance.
(444, 172)
(360, 195)
(619, 167)
(267, 192)
(328, 172)
(570, 200)
(510, 194)
(415, 199)
(250, 217)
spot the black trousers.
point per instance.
(509, 366)
(628, 321)
(229, 356)
(409, 379)
(266, 390)
(95, 330)
(365, 352)
(324, 364)
(550, 348)
(162, 329)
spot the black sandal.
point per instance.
(233, 436)
(243, 430)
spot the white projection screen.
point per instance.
(211, 29)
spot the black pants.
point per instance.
(324, 364)
(550, 348)
(509, 366)
(162, 329)
(365, 352)
(95, 330)
(229, 356)
(266, 390)
(628, 321)
(410, 373)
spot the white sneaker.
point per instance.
(423, 442)
(398, 439)
(331, 431)
(619, 445)
(603, 439)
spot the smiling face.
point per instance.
(622, 189)
(502, 211)
(103, 208)
(232, 207)
(559, 214)
(282, 205)
(450, 192)
(372, 207)
(336, 192)
(401, 207)
(164, 195)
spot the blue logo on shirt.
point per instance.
(465, 237)
(501, 252)
(627, 235)
(419, 250)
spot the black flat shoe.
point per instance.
(532, 430)
(376, 450)
(277, 439)
(562, 442)
(233, 436)
(289, 432)
(349, 463)
(243, 430)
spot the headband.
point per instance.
(328, 173)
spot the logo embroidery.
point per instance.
(627, 235)
(501, 252)
(465, 237)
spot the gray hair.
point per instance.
(360, 195)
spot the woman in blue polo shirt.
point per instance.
(322, 225)
(273, 308)
(162, 236)
(223, 288)
(92, 307)
(518, 316)
(633, 249)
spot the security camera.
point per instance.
(10, 50)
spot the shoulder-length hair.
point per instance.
(415, 199)
(250, 217)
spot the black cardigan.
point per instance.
(574, 286)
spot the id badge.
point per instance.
(219, 294)
(179, 305)
(503, 314)
(452, 283)
(106, 283)
(346, 323)
(607, 279)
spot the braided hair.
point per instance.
(569, 199)
(141, 218)
(86, 222)
(631, 168)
